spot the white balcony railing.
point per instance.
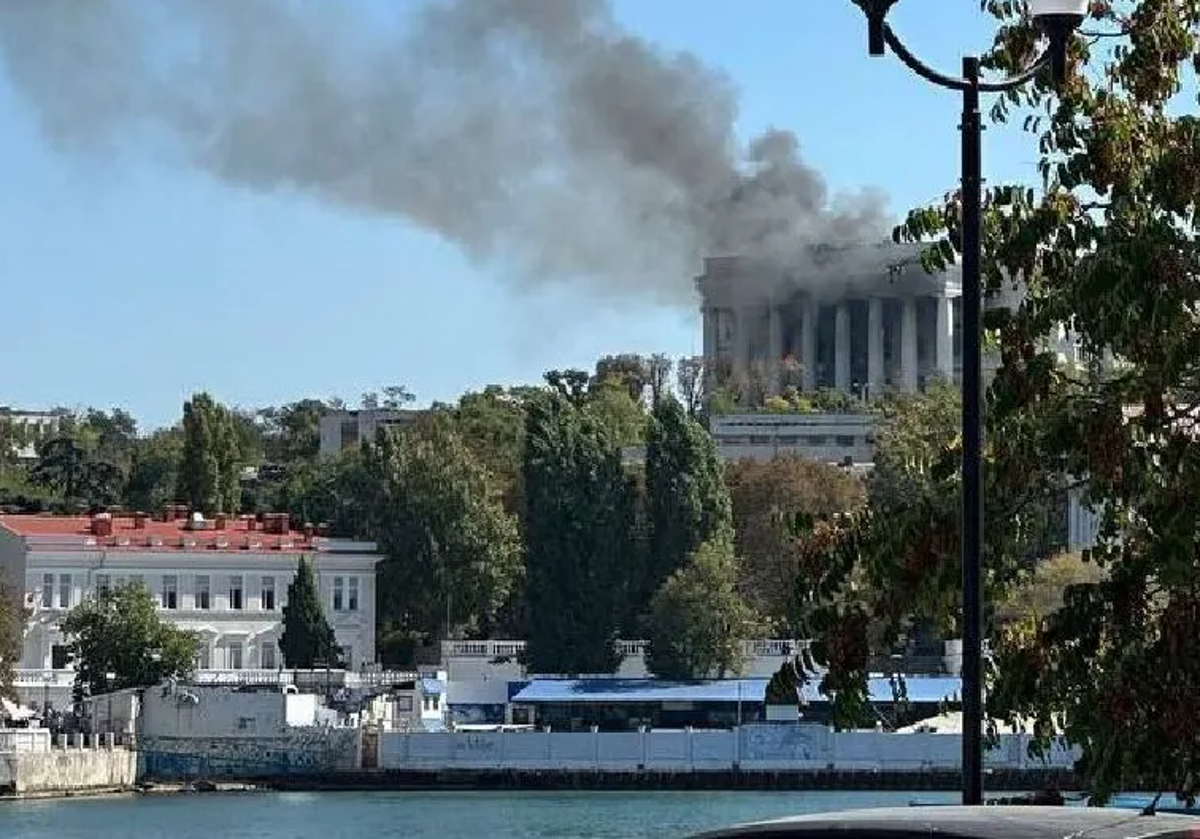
(44, 678)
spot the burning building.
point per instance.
(860, 320)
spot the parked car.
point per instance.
(990, 822)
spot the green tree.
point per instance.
(579, 547)
(154, 470)
(307, 640)
(1106, 245)
(697, 619)
(292, 432)
(121, 634)
(209, 476)
(492, 424)
(453, 551)
(12, 636)
(335, 490)
(66, 466)
(687, 501)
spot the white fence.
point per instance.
(754, 747)
(24, 740)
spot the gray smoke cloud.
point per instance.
(539, 136)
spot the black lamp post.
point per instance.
(1059, 19)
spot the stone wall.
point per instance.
(67, 771)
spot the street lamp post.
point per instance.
(1058, 19)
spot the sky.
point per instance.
(127, 282)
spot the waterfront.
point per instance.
(449, 815)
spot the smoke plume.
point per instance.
(537, 135)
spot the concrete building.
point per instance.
(858, 320)
(345, 429)
(225, 579)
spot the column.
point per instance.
(908, 345)
(875, 372)
(709, 316)
(775, 353)
(944, 339)
(841, 347)
(808, 337)
(741, 341)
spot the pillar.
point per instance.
(944, 339)
(875, 371)
(808, 337)
(841, 347)
(709, 315)
(775, 352)
(908, 345)
(741, 343)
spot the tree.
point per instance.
(686, 497)
(689, 378)
(12, 636)
(612, 405)
(292, 432)
(154, 470)
(453, 551)
(697, 620)
(66, 466)
(120, 634)
(579, 547)
(1042, 590)
(763, 495)
(1107, 247)
(492, 424)
(307, 640)
(209, 474)
(335, 490)
(629, 371)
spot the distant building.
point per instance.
(31, 428)
(346, 429)
(225, 579)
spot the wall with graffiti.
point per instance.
(765, 747)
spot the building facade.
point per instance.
(346, 429)
(860, 321)
(224, 579)
(29, 429)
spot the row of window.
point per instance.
(233, 656)
(345, 591)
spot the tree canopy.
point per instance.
(117, 640)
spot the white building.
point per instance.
(345, 429)
(225, 579)
(31, 428)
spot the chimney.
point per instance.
(221, 520)
(139, 521)
(102, 524)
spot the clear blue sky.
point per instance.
(131, 284)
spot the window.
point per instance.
(338, 597)
(352, 599)
(349, 432)
(60, 656)
(203, 657)
(268, 655)
(233, 655)
(235, 593)
(203, 592)
(64, 591)
(268, 593)
(103, 585)
(47, 591)
(347, 654)
(137, 580)
(170, 591)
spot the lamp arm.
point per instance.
(953, 82)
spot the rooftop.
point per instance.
(139, 532)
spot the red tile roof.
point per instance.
(129, 533)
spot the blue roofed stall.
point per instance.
(627, 704)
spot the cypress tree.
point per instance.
(307, 638)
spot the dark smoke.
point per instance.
(535, 134)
